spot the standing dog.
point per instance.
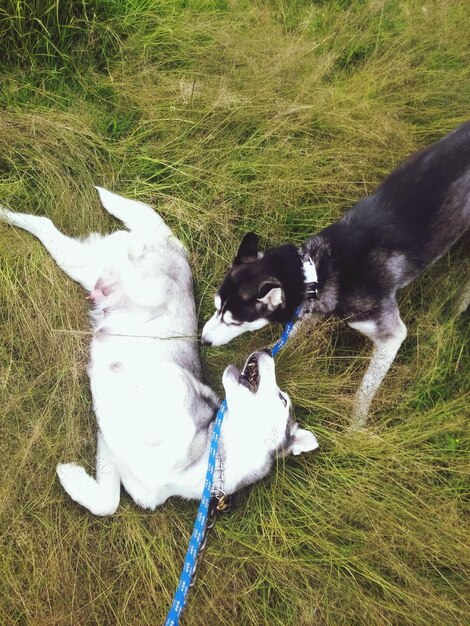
(154, 413)
(353, 268)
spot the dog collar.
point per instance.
(310, 277)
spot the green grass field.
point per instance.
(226, 116)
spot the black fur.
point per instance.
(248, 281)
(376, 248)
(387, 239)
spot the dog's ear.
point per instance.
(248, 250)
(270, 293)
(303, 441)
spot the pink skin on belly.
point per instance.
(99, 292)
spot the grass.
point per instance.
(227, 116)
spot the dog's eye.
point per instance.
(227, 318)
(283, 398)
(231, 322)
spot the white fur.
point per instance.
(257, 422)
(217, 331)
(227, 317)
(385, 350)
(273, 299)
(149, 405)
(310, 271)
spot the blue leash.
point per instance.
(179, 599)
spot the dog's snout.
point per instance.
(268, 351)
(206, 342)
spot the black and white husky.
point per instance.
(353, 268)
(154, 412)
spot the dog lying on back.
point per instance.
(353, 268)
(154, 412)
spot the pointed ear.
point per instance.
(271, 294)
(248, 250)
(304, 441)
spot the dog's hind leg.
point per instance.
(387, 332)
(134, 214)
(74, 257)
(101, 495)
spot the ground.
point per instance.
(229, 116)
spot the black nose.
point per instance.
(268, 351)
(206, 342)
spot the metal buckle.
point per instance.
(223, 503)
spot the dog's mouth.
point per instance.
(249, 376)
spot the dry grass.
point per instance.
(228, 116)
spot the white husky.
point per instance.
(154, 412)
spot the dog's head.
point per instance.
(260, 415)
(259, 288)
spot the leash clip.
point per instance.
(223, 503)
